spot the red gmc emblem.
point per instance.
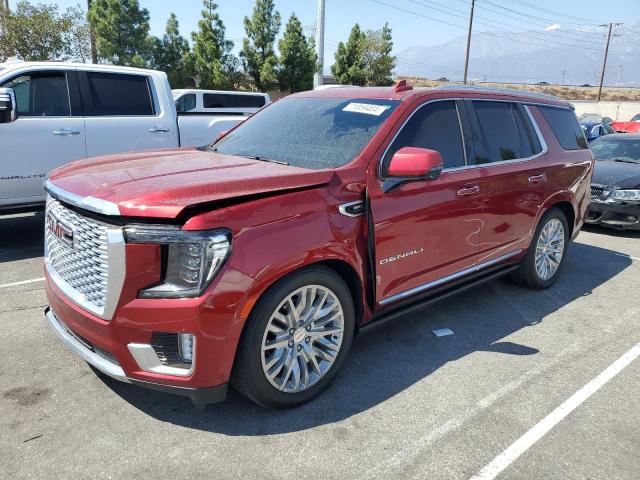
(63, 232)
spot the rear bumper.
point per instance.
(108, 365)
(614, 215)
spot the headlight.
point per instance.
(190, 260)
(626, 195)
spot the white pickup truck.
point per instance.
(54, 113)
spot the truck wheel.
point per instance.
(296, 339)
(542, 264)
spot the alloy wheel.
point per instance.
(302, 338)
(549, 249)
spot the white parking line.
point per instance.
(24, 282)
(508, 456)
(626, 256)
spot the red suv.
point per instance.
(255, 260)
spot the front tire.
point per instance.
(543, 262)
(296, 339)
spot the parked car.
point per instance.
(593, 130)
(631, 126)
(615, 187)
(54, 113)
(594, 118)
(325, 214)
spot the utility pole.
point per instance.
(466, 58)
(92, 37)
(606, 53)
(318, 78)
(564, 71)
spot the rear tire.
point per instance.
(543, 262)
(296, 339)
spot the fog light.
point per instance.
(186, 343)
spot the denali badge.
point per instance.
(400, 255)
(63, 232)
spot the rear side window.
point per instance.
(496, 137)
(113, 94)
(186, 102)
(42, 94)
(223, 100)
(565, 127)
(435, 126)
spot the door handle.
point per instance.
(537, 178)
(158, 129)
(65, 131)
(469, 190)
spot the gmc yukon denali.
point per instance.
(254, 261)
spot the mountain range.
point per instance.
(530, 57)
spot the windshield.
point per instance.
(636, 118)
(616, 149)
(315, 133)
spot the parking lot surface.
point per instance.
(408, 404)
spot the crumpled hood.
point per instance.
(616, 174)
(162, 183)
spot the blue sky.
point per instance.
(414, 22)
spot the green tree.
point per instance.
(298, 58)
(121, 32)
(35, 32)
(348, 67)
(375, 54)
(171, 54)
(79, 36)
(211, 58)
(257, 47)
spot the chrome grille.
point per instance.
(84, 265)
(596, 191)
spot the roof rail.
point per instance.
(495, 90)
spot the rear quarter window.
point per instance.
(565, 127)
(222, 100)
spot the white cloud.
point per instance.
(555, 26)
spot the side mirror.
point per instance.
(412, 164)
(8, 109)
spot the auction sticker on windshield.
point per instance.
(367, 108)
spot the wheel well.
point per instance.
(351, 278)
(567, 209)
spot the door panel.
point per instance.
(426, 230)
(121, 114)
(510, 158)
(45, 135)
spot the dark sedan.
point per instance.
(615, 187)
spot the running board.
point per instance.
(435, 296)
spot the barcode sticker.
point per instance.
(366, 108)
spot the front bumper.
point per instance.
(621, 216)
(114, 346)
(109, 366)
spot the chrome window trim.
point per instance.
(543, 143)
(448, 278)
(92, 204)
(115, 277)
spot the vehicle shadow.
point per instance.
(21, 236)
(389, 360)
(611, 231)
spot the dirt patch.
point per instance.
(26, 396)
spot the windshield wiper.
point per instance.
(262, 159)
(626, 160)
